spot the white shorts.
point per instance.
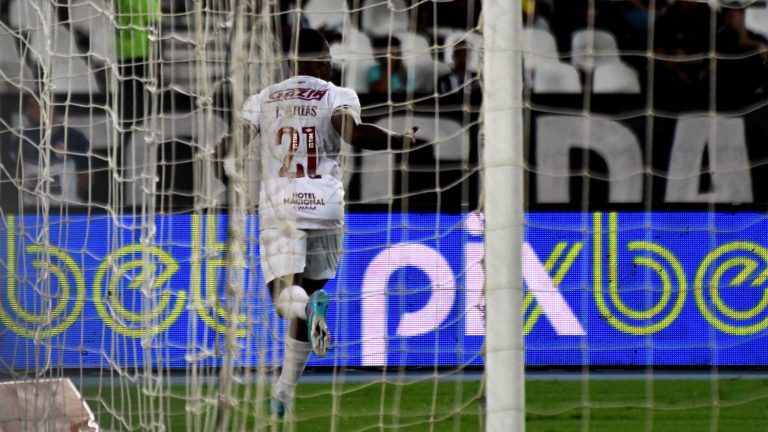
(315, 253)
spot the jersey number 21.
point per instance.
(310, 138)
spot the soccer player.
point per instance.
(301, 122)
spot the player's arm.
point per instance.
(249, 121)
(224, 160)
(369, 136)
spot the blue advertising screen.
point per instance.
(600, 289)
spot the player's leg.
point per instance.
(296, 293)
(296, 347)
(283, 257)
(290, 303)
(323, 252)
(296, 350)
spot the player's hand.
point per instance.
(409, 137)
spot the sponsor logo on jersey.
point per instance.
(304, 201)
(306, 94)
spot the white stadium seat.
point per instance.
(68, 68)
(556, 77)
(26, 15)
(415, 48)
(92, 17)
(14, 72)
(331, 14)
(417, 57)
(354, 55)
(757, 19)
(137, 159)
(616, 77)
(590, 48)
(384, 17)
(538, 46)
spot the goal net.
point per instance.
(643, 128)
(133, 270)
(629, 131)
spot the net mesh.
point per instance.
(132, 269)
(638, 126)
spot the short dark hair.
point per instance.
(312, 45)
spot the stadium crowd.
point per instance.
(673, 47)
(682, 55)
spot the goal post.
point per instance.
(503, 206)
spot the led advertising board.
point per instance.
(600, 289)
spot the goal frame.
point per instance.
(503, 207)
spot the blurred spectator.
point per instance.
(459, 76)
(635, 14)
(134, 20)
(682, 39)
(389, 74)
(742, 70)
(290, 17)
(535, 14)
(631, 21)
(68, 166)
(458, 14)
(683, 28)
(571, 15)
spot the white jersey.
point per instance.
(301, 180)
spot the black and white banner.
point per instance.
(647, 161)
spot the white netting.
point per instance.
(643, 134)
(132, 268)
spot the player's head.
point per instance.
(313, 54)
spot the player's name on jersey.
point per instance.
(296, 110)
(306, 94)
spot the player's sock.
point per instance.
(294, 361)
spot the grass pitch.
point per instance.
(633, 405)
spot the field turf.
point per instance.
(634, 405)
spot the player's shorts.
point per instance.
(313, 252)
